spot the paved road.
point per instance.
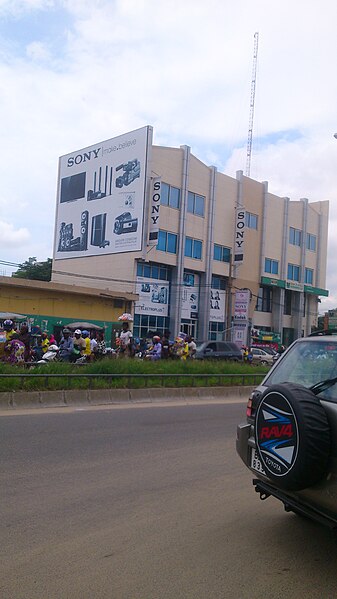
(146, 503)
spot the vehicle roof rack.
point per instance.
(323, 332)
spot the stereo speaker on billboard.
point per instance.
(98, 227)
(84, 229)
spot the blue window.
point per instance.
(251, 220)
(164, 194)
(271, 266)
(153, 271)
(311, 242)
(171, 243)
(147, 270)
(196, 204)
(308, 276)
(264, 300)
(193, 248)
(188, 279)
(293, 272)
(218, 282)
(295, 236)
(221, 253)
(167, 242)
(170, 196)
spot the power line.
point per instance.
(6, 263)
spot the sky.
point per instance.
(76, 72)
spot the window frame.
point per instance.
(308, 276)
(193, 244)
(291, 270)
(169, 197)
(311, 240)
(196, 204)
(224, 253)
(167, 237)
(295, 236)
(272, 263)
(252, 220)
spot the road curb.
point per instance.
(96, 397)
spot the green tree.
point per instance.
(31, 269)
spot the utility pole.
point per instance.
(229, 302)
(252, 104)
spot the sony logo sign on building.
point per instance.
(154, 210)
(239, 237)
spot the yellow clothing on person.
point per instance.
(87, 350)
(45, 345)
(9, 334)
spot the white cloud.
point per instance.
(38, 51)
(17, 7)
(11, 237)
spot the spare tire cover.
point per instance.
(292, 436)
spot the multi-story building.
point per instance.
(224, 255)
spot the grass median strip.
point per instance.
(125, 374)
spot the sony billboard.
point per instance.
(101, 196)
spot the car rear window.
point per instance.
(307, 363)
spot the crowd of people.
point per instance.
(157, 347)
(80, 346)
(20, 346)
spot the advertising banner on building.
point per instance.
(154, 210)
(218, 302)
(241, 306)
(190, 297)
(153, 297)
(100, 198)
(240, 224)
(240, 334)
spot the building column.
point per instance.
(178, 272)
(206, 277)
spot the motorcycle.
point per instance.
(50, 356)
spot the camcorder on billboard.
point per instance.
(100, 198)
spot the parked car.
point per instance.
(218, 350)
(289, 441)
(262, 356)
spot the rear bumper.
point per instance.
(292, 504)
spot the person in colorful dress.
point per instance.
(15, 350)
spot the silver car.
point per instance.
(289, 440)
(261, 356)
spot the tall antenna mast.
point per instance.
(252, 104)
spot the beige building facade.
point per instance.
(190, 280)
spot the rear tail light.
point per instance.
(249, 408)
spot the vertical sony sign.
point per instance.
(240, 222)
(154, 210)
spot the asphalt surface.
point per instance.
(146, 503)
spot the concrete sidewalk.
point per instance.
(99, 397)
